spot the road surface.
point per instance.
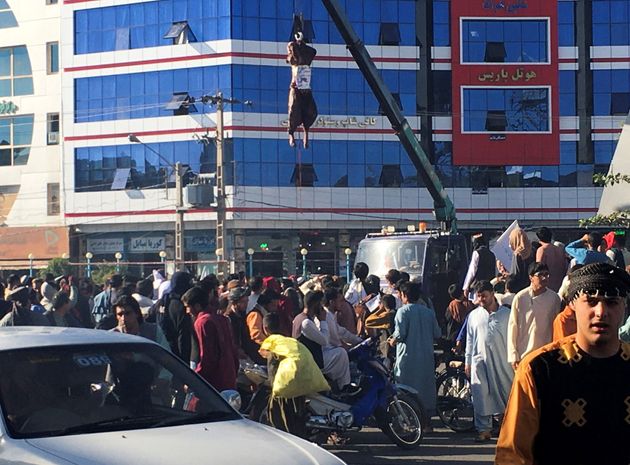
(442, 447)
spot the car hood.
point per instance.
(219, 443)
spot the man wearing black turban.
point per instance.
(570, 400)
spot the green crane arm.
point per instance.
(442, 204)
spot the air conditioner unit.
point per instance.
(53, 138)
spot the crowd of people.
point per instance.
(541, 337)
(544, 348)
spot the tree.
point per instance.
(101, 272)
(58, 267)
(619, 218)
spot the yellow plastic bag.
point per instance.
(298, 374)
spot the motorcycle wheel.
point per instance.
(402, 421)
(259, 411)
(454, 402)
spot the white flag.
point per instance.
(501, 248)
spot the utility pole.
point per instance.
(179, 202)
(222, 253)
(179, 218)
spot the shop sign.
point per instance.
(348, 121)
(7, 108)
(147, 244)
(42, 243)
(511, 6)
(519, 75)
(201, 243)
(106, 245)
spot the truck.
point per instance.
(434, 258)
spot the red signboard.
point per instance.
(493, 142)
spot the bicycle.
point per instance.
(454, 397)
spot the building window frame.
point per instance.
(463, 19)
(7, 18)
(53, 199)
(304, 175)
(52, 128)
(389, 34)
(10, 147)
(503, 88)
(12, 77)
(180, 33)
(52, 57)
(391, 176)
(619, 103)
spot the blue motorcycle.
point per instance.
(396, 409)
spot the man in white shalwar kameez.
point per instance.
(312, 323)
(356, 289)
(486, 359)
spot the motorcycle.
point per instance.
(395, 408)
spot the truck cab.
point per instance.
(435, 259)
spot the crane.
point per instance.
(442, 205)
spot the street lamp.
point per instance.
(118, 256)
(162, 255)
(88, 257)
(179, 201)
(250, 252)
(304, 253)
(348, 252)
(30, 265)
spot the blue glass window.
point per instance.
(265, 20)
(506, 110)
(16, 134)
(441, 23)
(52, 51)
(145, 24)
(249, 162)
(96, 166)
(566, 23)
(504, 41)
(604, 151)
(6, 16)
(568, 152)
(610, 22)
(141, 95)
(15, 72)
(610, 88)
(567, 90)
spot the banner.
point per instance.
(106, 245)
(42, 242)
(147, 244)
(501, 249)
(201, 243)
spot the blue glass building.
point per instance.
(124, 63)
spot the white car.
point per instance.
(79, 396)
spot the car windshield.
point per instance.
(382, 255)
(63, 390)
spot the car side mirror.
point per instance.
(233, 398)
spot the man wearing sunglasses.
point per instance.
(531, 318)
